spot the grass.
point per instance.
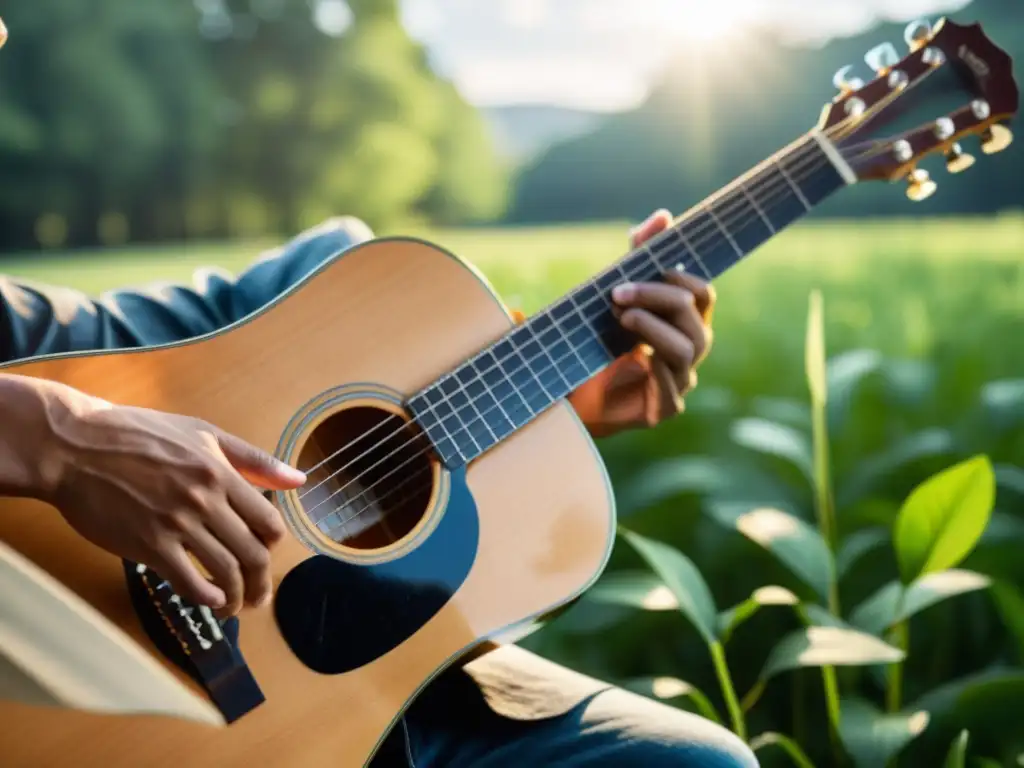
(952, 289)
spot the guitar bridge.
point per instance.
(195, 641)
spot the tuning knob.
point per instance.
(957, 160)
(844, 83)
(917, 33)
(920, 186)
(882, 58)
(996, 138)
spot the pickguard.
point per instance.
(337, 616)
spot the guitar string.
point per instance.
(516, 408)
(498, 404)
(774, 185)
(665, 235)
(502, 403)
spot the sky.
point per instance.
(602, 54)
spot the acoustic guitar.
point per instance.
(454, 500)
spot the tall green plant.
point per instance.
(938, 525)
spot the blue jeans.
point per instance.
(451, 724)
(610, 728)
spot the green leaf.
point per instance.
(872, 738)
(867, 476)
(1003, 527)
(1010, 603)
(698, 476)
(669, 688)
(786, 744)
(634, 589)
(1004, 400)
(845, 373)
(943, 518)
(792, 413)
(814, 350)
(732, 618)
(885, 608)
(988, 703)
(1010, 478)
(832, 646)
(856, 545)
(957, 755)
(796, 544)
(910, 382)
(774, 439)
(682, 578)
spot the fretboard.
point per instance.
(506, 385)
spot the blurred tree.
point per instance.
(227, 117)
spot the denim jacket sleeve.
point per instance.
(40, 320)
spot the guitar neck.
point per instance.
(506, 385)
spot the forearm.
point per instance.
(30, 463)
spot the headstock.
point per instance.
(984, 94)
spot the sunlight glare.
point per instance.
(704, 21)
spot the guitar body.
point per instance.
(363, 617)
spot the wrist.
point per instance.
(33, 461)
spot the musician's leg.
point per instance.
(611, 728)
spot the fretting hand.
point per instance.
(673, 321)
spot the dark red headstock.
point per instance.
(983, 94)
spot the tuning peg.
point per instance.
(917, 33)
(996, 138)
(843, 83)
(957, 160)
(920, 186)
(882, 58)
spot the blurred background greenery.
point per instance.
(139, 141)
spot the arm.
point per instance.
(41, 320)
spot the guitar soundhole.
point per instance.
(370, 477)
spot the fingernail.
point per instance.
(624, 292)
(291, 474)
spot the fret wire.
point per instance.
(480, 373)
(440, 422)
(526, 363)
(461, 423)
(785, 173)
(679, 230)
(487, 390)
(511, 382)
(463, 390)
(710, 209)
(556, 324)
(473, 401)
(546, 351)
(756, 207)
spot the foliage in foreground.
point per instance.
(879, 665)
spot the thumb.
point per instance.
(258, 466)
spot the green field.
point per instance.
(906, 288)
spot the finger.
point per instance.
(704, 296)
(669, 343)
(657, 222)
(671, 302)
(220, 563)
(259, 514)
(670, 394)
(3, 33)
(258, 465)
(172, 562)
(251, 553)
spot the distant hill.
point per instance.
(521, 132)
(703, 124)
